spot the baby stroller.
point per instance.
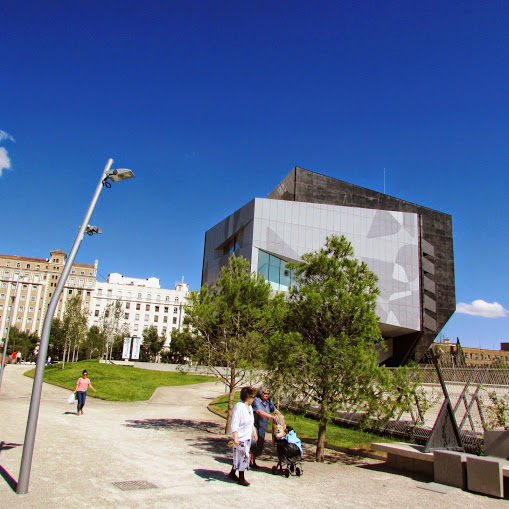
(289, 452)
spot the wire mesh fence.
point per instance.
(479, 397)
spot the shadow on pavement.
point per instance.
(213, 445)
(382, 467)
(4, 446)
(175, 425)
(212, 475)
(8, 479)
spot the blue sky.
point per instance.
(213, 103)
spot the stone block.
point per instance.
(484, 476)
(450, 468)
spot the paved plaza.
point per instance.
(171, 452)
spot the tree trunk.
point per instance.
(320, 445)
(231, 396)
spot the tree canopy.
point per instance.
(326, 352)
(227, 323)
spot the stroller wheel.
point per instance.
(298, 472)
(286, 472)
(274, 470)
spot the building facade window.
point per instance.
(275, 272)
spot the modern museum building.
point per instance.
(409, 247)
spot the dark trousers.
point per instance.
(82, 396)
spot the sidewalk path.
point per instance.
(177, 445)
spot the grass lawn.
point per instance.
(117, 383)
(307, 428)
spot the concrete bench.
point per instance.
(486, 474)
(407, 457)
(450, 468)
(481, 474)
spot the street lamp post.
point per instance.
(35, 401)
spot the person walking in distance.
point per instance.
(82, 385)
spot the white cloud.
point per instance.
(5, 162)
(482, 308)
(5, 136)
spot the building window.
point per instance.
(18, 265)
(73, 271)
(158, 298)
(165, 319)
(81, 282)
(174, 320)
(88, 294)
(99, 291)
(156, 318)
(18, 319)
(110, 293)
(167, 298)
(147, 307)
(275, 272)
(29, 320)
(166, 309)
(28, 265)
(91, 273)
(32, 299)
(176, 299)
(126, 316)
(37, 267)
(157, 309)
(137, 316)
(31, 310)
(96, 312)
(82, 273)
(139, 296)
(138, 307)
(70, 292)
(146, 318)
(23, 297)
(135, 326)
(149, 296)
(7, 274)
(7, 264)
(175, 310)
(20, 309)
(128, 305)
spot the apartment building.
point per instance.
(144, 303)
(27, 285)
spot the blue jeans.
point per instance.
(82, 396)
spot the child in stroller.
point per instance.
(289, 449)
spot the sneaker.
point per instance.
(243, 482)
(254, 465)
(233, 475)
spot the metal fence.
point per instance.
(479, 397)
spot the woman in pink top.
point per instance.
(82, 385)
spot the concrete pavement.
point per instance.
(173, 446)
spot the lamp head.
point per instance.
(119, 174)
(90, 230)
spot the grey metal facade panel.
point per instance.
(436, 232)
